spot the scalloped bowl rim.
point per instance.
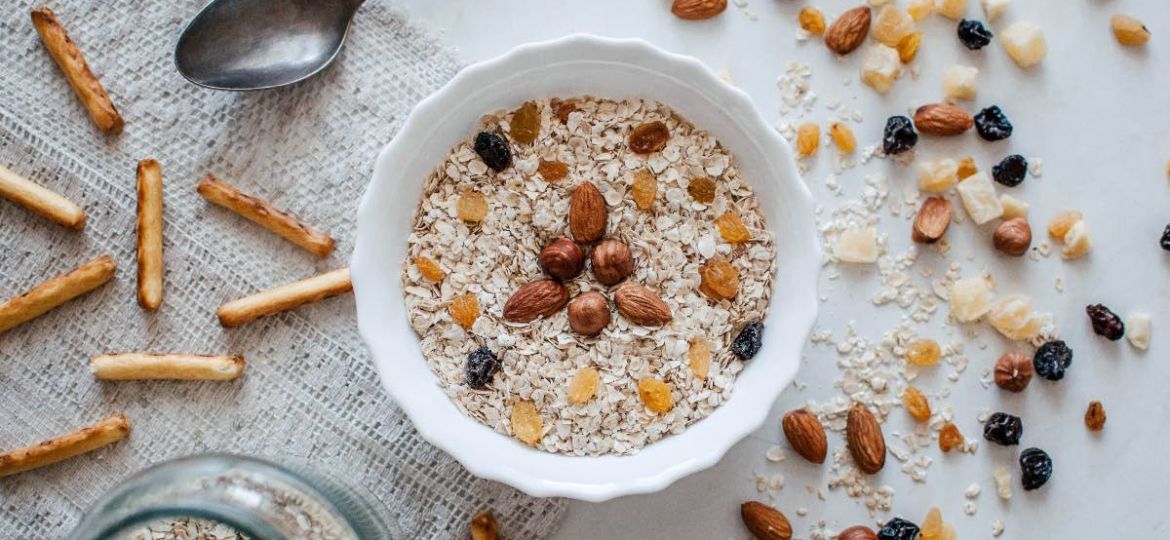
(381, 314)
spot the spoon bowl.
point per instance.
(260, 44)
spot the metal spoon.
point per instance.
(259, 44)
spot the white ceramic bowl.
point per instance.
(573, 66)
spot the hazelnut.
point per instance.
(1013, 372)
(589, 313)
(1013, 237)
(612, 262)
(562, 259)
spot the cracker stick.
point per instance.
(72, 63)
(54, 292)
(150, 234)
(284, 297)
(177, 367)
(86, 439)
(40, 201)
(257, 211)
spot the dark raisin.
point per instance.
(898, 529)
(1011, 171)
(973, 34)
(1035, 467)
(749, 340)
(1166, 238)
(494, 150)
(1003, 428)
(1105, 323)
(1051, 359)
(899, 136)
(992, 124)
(482, 364)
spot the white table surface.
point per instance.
(1097, 114)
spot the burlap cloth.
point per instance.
(310, 392)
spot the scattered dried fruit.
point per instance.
(464, 310)
(992, 124)
(1035, 468)
(916, 404)
(1129, 31)
(848, 32)
(1024, 42)
(1095, 416)
(808, 139)
(932, 525)
(932, 220)
(429, 269)
(857, 246)
(898, 529)
(1013, 237)
(967, 168)
(562, 109)
(732, 229)
(970, 299)
(482, 365)
(899, 135)
(1013, 372)
(589, 313)
(1060, 224)
(942, 119)
(843, 138)
(1165, 241)
(1011, 171)
(1105, 322)
(552, 170)
(526, 423)
(859, 532)
(980, 199)
(719, 280)
(863, 437)
(612, 262)
(644, 189)
(699, 357)
(806, 435)
(702, 189)
(937, 175)
(655, 394)
(749, 340)
(484, 527)
(583, 385)
(973, 35)
(1013, 207)
(908, 47)
(1076, 242)
(1003, 483)
(880, 67)
(959, 83)
(951, 9)
(923, 352)
(1137, 327)
(1013, 317)
(765, 522)
(537, 299)
(641, 306)
(949, 437)
(891, 25)
(697, 10)
(471, 207)
(1052, 359)
(493, 150)
(649, 137)
(525, 125)
(993, 9)
(811, 20)
(562, 259)
(1003, 429)
(587, 213)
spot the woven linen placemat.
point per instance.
(310, 393)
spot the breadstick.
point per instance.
(150, 234)
(179, 367)
(40, 201)
(86, 439)
(54, 292)
(65, 53)
(257, 211)
(284, 297)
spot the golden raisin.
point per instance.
(644, 189)
(472, 207)
(1062, 222)
(916, 404)
(649, 137)
(932, 526)
(923, 352)
(811, 20)
(843, 137)
(429, 268)
(526, 422)
(1129, 31)
(948, 532)
(655, 395)
(908, 47)
(1095, 416)
(525, 125)
(702, 190)
(699, 356)
(966, 167)
(732, 229)
(464, 310)
(552, 170)
(808, 139)
(949, 437)
(583, 385)
(562, 109)
(719, 279)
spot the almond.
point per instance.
(587, 213)
(942, 119)
(641, 305)
(765, 522)
(857, 532)
(536, 299)
(695, 10)
(933, 219)
(863, 436)
(848, 32)
(806, 435)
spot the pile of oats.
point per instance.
(526, 212)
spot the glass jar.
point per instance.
(255, 499)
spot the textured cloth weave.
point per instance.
(310, 393)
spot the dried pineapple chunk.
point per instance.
(857, 246)
(980, 199)
(970, 299)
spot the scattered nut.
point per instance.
(697, 10)
(806, 435)
(1095, 416)
(641, 306)
(587, 213)
(848, 32)
(863, 437)
(562, 259)
(484, 527)
(857, 532)
(765, 522)
(534, 300)
(932, 221)
(1013, 237)
(1013, 372)
(589, 313)
(612, 262)
(942, 119)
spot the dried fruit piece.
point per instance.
(923, 352)
(857, 246)
(1003, 429)
(951, 9)
(1076, 242)
(588, 214)
(880, 67)
(1035, 468)
(644, 189)
(655, 394)
(484, 527)
(859, 532)
(482, 365)
(1129, 31)
(806, 435)
(919, 10)
(649, 137)
(583, 385)
(765, 522)
(848, 32)
(1165, 240)
(932, 525)
(898, 529)
(562, 109)
(949, 437)
(525, 124)
(1003, 483)
(970, 299)
(899, 135)
(958, 83)
(464, 310)
(1105, 322)
(863, 437)
(992, 124)
(1024, 42)
(843, 137)
(537, 299)
(1138, 330)
(493, 150)
(552, 170)
(908, 47)
(589, 313)
(699, 357)
(938, 175)
(697, 10)
(1012, 316)
(808, 139)
(891, 25)
(1011, 171)
(749, 340)
(1012, 237)
(719, 280)
(967, 168)
(811, 20)
(980, 199)
(916, 404)
(471, 207)
(1013, 372)
(526, 423)
(973, 35)
(1052, 359)
(428, 268)
(993, 9)
(932, 221)
(1062, 222)
(1095, 416)
(732, 229)
(942, 119)
(702, 189)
